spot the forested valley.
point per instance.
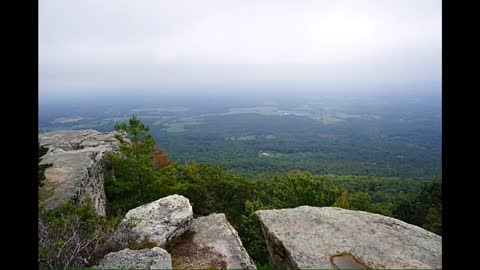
(144, 173)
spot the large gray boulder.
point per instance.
(78, 166)
(319, 237)
(155, 258)
(161, 220)
(213, 244)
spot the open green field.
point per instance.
(179, 125)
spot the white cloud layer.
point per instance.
(91, 45)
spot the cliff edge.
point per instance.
(77, 170)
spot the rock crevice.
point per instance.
(211, 241)
(220, 241)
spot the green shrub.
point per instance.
(42, 167)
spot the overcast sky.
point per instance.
(114, 46)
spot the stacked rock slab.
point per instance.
(201, 243)
(155, 258)
(161, 220)
(214, 244)
(77, 169)
(310, 237)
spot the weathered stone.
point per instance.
(77, 169)
(161, 220)
(155, 258)
(310, 237)
(214, 244)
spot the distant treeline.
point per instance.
(384, 147)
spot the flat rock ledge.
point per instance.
(328, 237)
(161, 220)
(77, 170)
(154, 258)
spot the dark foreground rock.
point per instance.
(328, 237)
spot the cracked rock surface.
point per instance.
(215, 244)
(77, 169)
(308, 237)
(154, 258)
(161, 220)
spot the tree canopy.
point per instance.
(142, 173)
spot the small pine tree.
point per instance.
(134, 178)
(133, 168)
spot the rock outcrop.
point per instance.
(161, 220)
(77, 169)
(213, 243)
(298, 238)
(155, 258)
(329, 237)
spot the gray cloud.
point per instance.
(91, 45)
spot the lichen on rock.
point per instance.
(161, 220)
(78, 168)
(154, 258)
(308, 237)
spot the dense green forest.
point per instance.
(214, 189)
(357, 147)
(144, 173)
(381, 137)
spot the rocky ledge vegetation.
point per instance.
(114, 201)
